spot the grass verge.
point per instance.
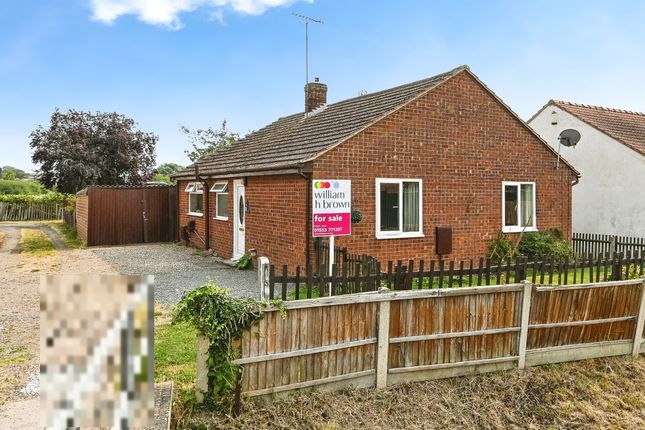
(35, 242)
(68, 234)
(592, 394)
(175, 355)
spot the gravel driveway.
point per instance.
(177, 269)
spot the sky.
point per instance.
(167, 63)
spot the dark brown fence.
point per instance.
(413, 275)
(606, 244)
(123, 215)
(345, 260)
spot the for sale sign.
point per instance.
(332, 207)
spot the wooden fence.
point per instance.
(306, 284)
(585, 244)
(345, 260)
(30, 211)
(387, 337)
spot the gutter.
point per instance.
(207, 220)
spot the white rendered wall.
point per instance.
(610, 198)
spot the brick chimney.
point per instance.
(315, 95)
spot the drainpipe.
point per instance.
(307, 176)
(207, 220)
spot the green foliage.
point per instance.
(501, 247)
(168, 169)
(631, 272)
(20, 186)
(12, 173)
(158, 177)
(51, 198)
(79, 148)
(222, 319)
(548, 244)
(245, 262)
(207, 141)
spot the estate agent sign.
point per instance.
(332, 207)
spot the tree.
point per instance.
(207, 141)
(168, 168)
(11, 173)
(164, 171)
(84, 148)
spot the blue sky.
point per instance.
(197, 62)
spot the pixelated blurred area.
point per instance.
(96, 351)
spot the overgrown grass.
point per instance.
(591, 394)
(35, 242)
(175, 356)
(68, 234)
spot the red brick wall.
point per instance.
(274, 227)
(463, 143)
(276, 224)
(184, 218)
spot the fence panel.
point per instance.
(30, 211)
(310, 346)
(386, 338)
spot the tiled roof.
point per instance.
(625, 126)
(293, 140)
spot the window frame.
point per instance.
(400, 234)
(195, 188)
(223, 191)
(518, 228)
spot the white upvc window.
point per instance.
(221, 200)
(195, 192)
(399, 208)
(518, 207)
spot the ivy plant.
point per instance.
(222, 319)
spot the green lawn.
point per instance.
(175, 355)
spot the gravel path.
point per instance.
(177, 269)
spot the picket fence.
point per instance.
(585, 244)
(30, 211)
(299, 284)
(388, 337)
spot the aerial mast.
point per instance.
(307, 20)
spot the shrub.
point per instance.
(501, 247)
(548, 244)
(17, 186)
(51, 198)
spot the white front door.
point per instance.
(239, 213)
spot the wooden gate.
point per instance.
(124, 215)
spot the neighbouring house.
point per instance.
(611, 159)
(440, 151)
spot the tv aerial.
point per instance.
(568, 138)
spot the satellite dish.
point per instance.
(569, 137)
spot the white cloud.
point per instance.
(166, 12)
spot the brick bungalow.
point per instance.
(440, 151)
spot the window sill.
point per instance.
(219, 218)
(399, 235)
(518, 229)
(194, 214)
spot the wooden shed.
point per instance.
(118, 215)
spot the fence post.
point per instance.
(383, 341)
(524, 324)
(201, 387)
(640, 323)
(612, 246)
(263, 277)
